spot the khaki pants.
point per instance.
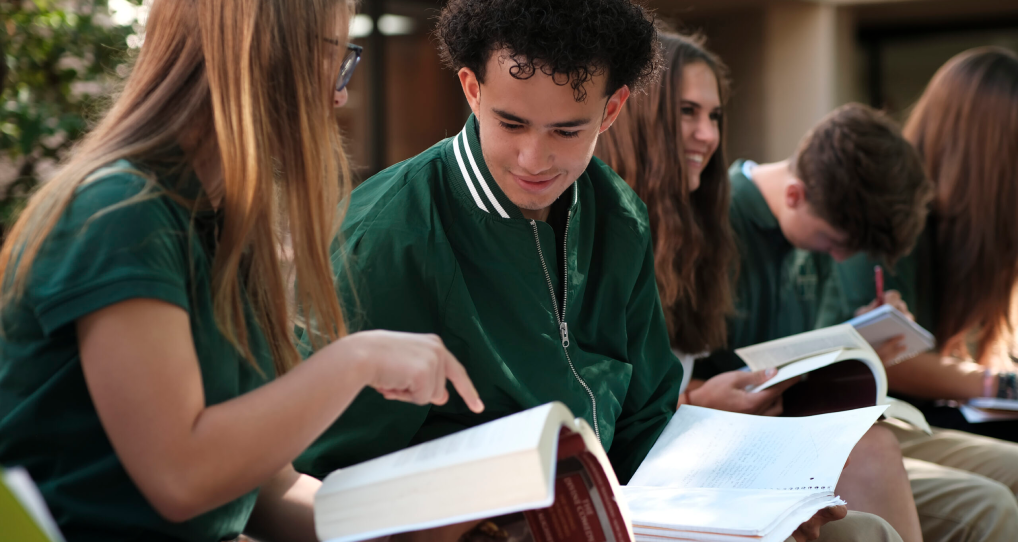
(964, 485)
(858, 527)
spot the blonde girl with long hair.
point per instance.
(149, 380)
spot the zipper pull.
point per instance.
(563, 330)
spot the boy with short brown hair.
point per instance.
(854, 185)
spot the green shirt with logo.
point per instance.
(121, 237)
(780, 291)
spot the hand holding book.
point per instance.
(890, 297)
(834, 358)
(733, 391)
(891, 330)
(891, 349)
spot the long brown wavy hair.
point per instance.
(965, 126)
(694, 248)
(254, 78)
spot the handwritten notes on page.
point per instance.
(705, 448)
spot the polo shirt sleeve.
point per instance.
(117, 239)
(657, 374)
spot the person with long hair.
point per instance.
(149, 377)
(960, 280)
(669, 147)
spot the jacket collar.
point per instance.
(476, 182)
(748, 201)
(749, 198)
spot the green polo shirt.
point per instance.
(780, 288)
(106, 249)
(914, 276)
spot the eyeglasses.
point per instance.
(350, 60)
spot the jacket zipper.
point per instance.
(563, 326)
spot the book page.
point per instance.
(853, 381)
(782, 351)
(885, 322)
(746, 512)
(896, 408)
(515, 433)
(19, 488)
(705, 448)
(801, 367)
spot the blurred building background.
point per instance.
(792, 61)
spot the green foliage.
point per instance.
(61, 58)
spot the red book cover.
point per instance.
(584, 510)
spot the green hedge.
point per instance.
(62, 59)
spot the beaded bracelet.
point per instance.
(989, 377)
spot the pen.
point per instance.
(878, 277)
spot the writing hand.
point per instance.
(892, 298)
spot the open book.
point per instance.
(540, 474)
(719, 476)
(23, 513)
(886, 322)
(840, 371)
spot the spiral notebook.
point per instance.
(716, 476)
(885, 322)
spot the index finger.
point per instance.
(458, 376)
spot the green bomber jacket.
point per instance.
(432, 245)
